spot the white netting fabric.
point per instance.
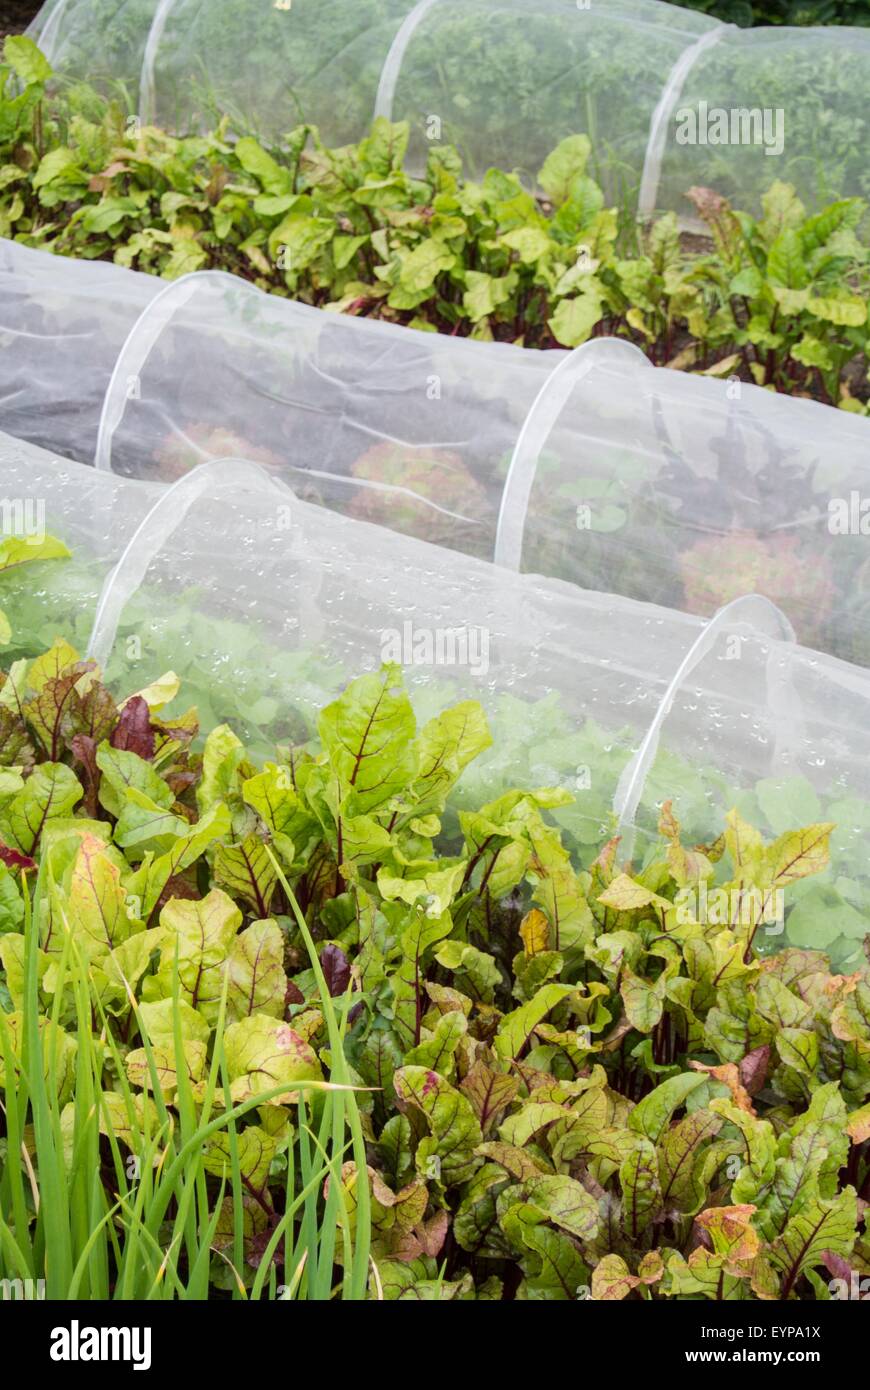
(265, 606)
(590, 466)
(504, 80)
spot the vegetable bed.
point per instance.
(566, 1085)
(779, 299)
(434, 656)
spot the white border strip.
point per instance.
(658, 131)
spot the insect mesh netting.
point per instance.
(503, 80)
(623, 704)
(589, 466)
(62, 326)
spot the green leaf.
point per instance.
(246, 871)
(272, 176)
(123, 770)
(108, 213)
(11, 903)
(566, 1203)
(818, 230)
(785, 261)
(116, 976)
(475, 1225)
(255, 1149)
(783, 210)
(421, 934)
(561, 1271)
(26, 60)
(272, 794)
(564, 166)
(585, 200)
(97, 906)
(819, 1227)
(516, 1028)
(202, 933)
(810, 351)
(474, 971)
(821, 916)
(437, 1051)
(182, 855)
(530, 243)
(59, 166)
(447, 1154)
(421, 267)
(843, 308)
(535, 1115)
(50, 792)
(445, 746)
(489, 1091)
(58, 1054)
(435, 887)
(798, 853)
(144, 825)
(160, 1017)
(17, 550)
(344, 248)
(681, 1155)
(301, 238)
(612, 1280)
(574, 319)
(383, 151)
(485, 293)
(257, 982)
(641, 1190)
(368, 735)
(643, 1001)
(222, 757)
(264, 1052)
(167, 1065)
(652, 1115)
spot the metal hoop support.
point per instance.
(392, 68)
(658, 130)
(766, 620)
(210, 479)
(46, 37)
(139, 344)
(147, 88)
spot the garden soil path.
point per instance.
(15, 15)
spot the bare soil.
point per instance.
(15, 15)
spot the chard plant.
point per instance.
(266, 1027)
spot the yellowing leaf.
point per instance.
(16, 550)
(201, 933)
(535, 932)
(848, 310)
(612, 1280)
(625, 894)
(858, 1125)
(264, 1052)
(799, 853)
(158, 693)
